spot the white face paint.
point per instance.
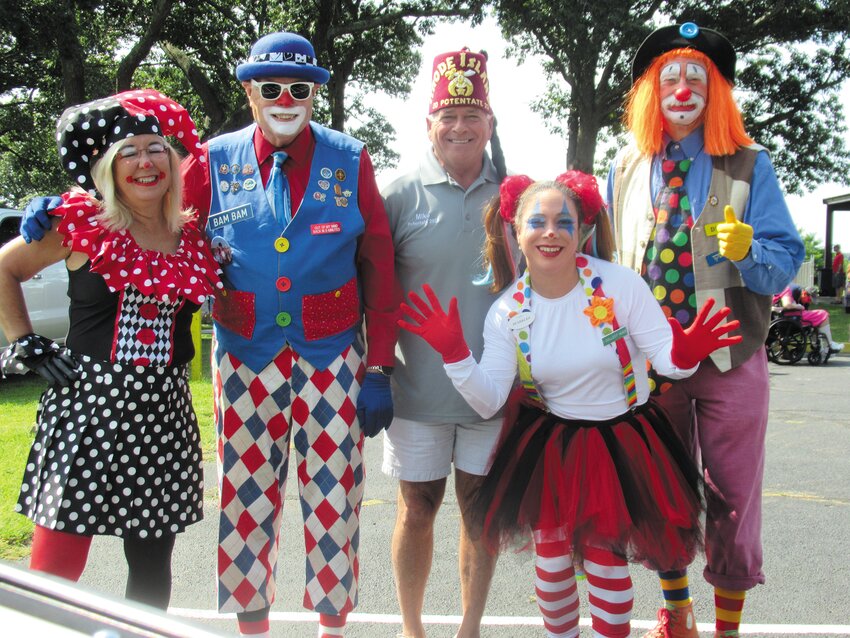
(291, 125)
(684, 89)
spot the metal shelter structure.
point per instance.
(833, 204)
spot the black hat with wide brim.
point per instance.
(686, 36)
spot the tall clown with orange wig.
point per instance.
(698, 211)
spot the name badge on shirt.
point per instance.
(611, 337)
(714, 258)
(326, 228)
(230, 216)
(711, 229)
(521, 320)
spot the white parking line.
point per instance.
(505, 621)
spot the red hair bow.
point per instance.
(509, 192)
(586, 188)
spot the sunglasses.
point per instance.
(273, 90)
(154, 150)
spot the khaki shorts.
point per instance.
(418, 452)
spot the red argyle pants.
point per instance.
(257, 417)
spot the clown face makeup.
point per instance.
(547, 232)
(142, 178)
(282, 120)
(684, 90)
(285, 122)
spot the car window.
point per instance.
(9, 228)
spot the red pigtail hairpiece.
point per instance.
(587, 189)
(509, 193)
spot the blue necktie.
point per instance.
(277, 190)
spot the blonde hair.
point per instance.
(115, 214)
(595, 239)
(724, 126)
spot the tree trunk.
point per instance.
(70, 53)
(128, 65)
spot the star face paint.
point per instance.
(683, 90)
(563, 221)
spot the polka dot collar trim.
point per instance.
(190, 273)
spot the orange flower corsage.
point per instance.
(600, 310)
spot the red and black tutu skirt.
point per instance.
(627, 485)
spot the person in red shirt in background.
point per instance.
(838, 274)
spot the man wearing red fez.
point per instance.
(435, 219)
(698, 211)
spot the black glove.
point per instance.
(44, 356)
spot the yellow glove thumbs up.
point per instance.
(735, 237)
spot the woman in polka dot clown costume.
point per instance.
(117, 450)
(586, 464)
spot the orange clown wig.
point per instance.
(723, 125)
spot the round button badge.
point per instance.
(281, 244)
(283, 319)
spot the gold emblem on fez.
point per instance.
(459, 83)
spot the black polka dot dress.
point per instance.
(118, 451)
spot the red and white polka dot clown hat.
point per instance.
(86, 131)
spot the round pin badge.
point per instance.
(326, 173)
(249, 184)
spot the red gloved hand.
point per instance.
(442, 331)
(704, 336)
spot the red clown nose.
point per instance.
(683, 94)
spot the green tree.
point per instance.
(814, 248)
(792, 60)
(57, 53)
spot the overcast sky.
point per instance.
(529, 147)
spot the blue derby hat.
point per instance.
(284, 55)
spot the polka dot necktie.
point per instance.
(277, 190)
(668, 262)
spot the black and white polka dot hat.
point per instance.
(86, 131)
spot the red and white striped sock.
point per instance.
(610, 592)
(555, 586)
(331, 626)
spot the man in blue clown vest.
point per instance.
(288, 357)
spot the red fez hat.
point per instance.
(460, 79)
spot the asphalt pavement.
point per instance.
(806, 541)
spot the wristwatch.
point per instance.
(387, 371)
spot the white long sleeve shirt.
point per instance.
(577, 376)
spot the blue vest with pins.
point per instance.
(290, 283)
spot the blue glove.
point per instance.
(36, 219)
(375, 404)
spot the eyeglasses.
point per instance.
(273, 90)
(154, 150)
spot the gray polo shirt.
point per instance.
(438, 236)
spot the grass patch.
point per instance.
(20, 395)
(839, 322)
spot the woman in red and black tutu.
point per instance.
(586, 466)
